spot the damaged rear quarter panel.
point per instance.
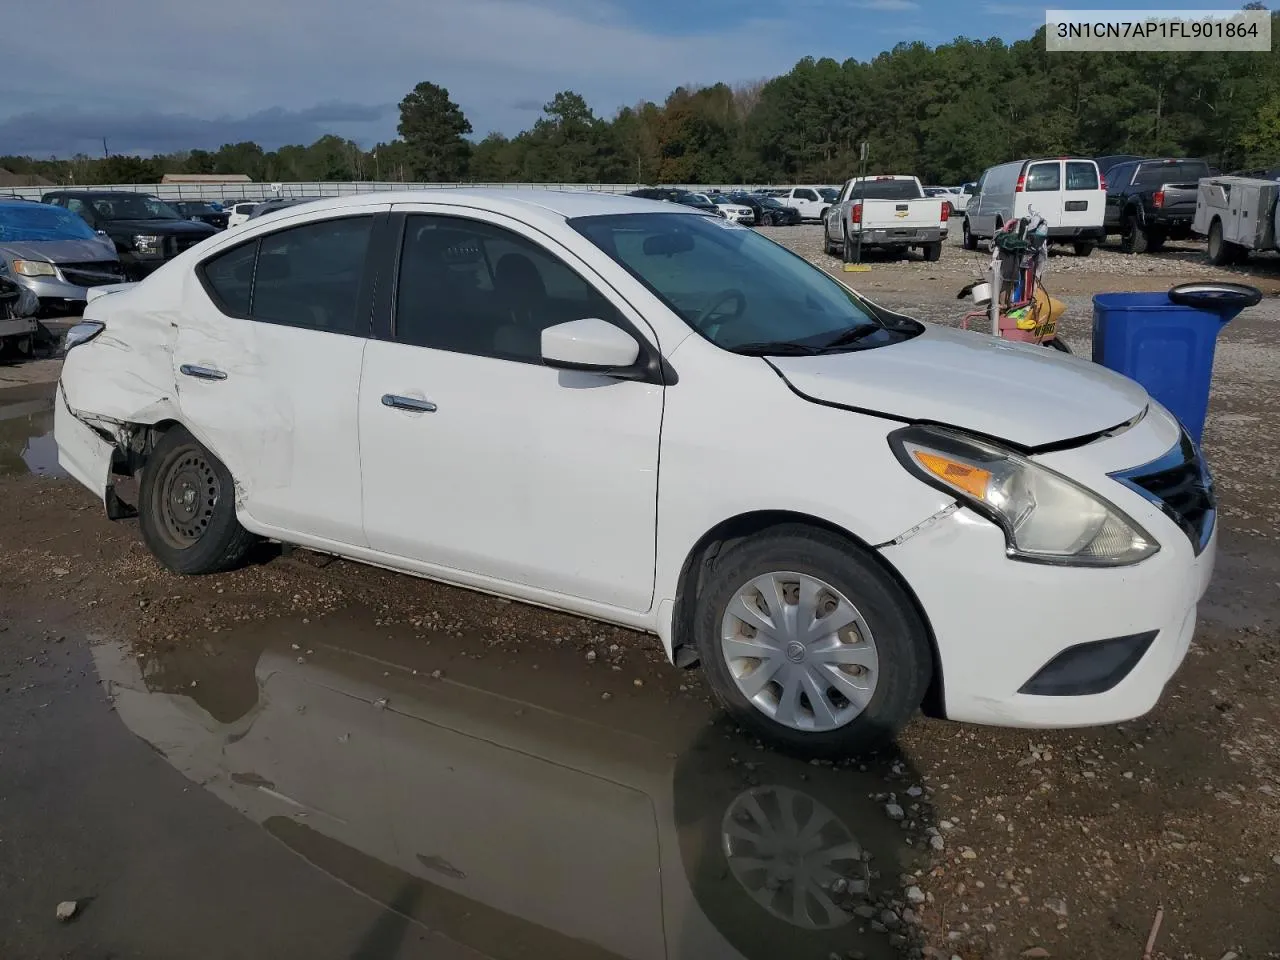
(125, 374)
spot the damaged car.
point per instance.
(54, 254)
(629, 411)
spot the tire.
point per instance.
(1082, 249)
(1155, 240)
(1058, 344)
(967, 239)
(822, 217)
(932, 251)
(201, 534)
(1134, 238)
(1222, 252)
(828, 247)
(891, 633)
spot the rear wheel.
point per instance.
(1082, 249)
(1222, 252)
(932, 251)
(806, 640)
(187, 508)
(1133, 239)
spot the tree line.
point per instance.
(944, 113)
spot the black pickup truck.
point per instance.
(147, 231)
(1151, 201)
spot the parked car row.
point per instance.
(750, 209)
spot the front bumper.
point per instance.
(999, 622)
(20, 327)
(58, 295)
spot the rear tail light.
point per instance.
(1022, 184)
(82, 332)
(1102, 182)
(1158, 199)
(855, 215)
(946, 211)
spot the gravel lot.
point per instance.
(1016, 844)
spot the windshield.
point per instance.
(887, 190)
(738, 289)
(830, 194)
(133, 206)
(41, 221)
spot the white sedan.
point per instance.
(631, 411)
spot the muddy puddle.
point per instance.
(26, 439)
(519, 828)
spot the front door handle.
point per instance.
(408, 403)
(201, 373)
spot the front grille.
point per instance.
(1180, 484)
(94, 273)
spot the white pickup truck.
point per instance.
(890, 212)
(812, 202)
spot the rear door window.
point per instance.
(1044, 176)
(1082, 175)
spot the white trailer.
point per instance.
(1238, 215)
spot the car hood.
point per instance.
(166, 228)
(60, 251)
(1026, 395)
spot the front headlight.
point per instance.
(146, 243)
(1046, 517)
(33, 268)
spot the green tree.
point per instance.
(434, 131)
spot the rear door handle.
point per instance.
(201, 373)
(408, 403)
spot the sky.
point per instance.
(155, 76)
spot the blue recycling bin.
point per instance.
(1166, 341)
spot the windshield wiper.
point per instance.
(777, 348)
(851, 336)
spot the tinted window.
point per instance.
(1179, 171)
(732, 285)
(229, 277)
(887, 190)
(1044, 176)
(806, 195)
(1081, 175)
(307, 276)
(132, 206)
(470, 287)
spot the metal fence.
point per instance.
(232, 192)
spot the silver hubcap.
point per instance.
(799, 651)
(789, 852)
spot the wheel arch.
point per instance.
(734, 529)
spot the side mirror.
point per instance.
(590, 345)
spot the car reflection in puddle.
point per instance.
(26, 439)
(517, 830)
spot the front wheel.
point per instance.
(807, 641)
(187, 508)
(967, 239)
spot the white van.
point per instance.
(1067, 191)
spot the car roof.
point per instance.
(565, 204)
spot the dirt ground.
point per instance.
(1067, 844)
